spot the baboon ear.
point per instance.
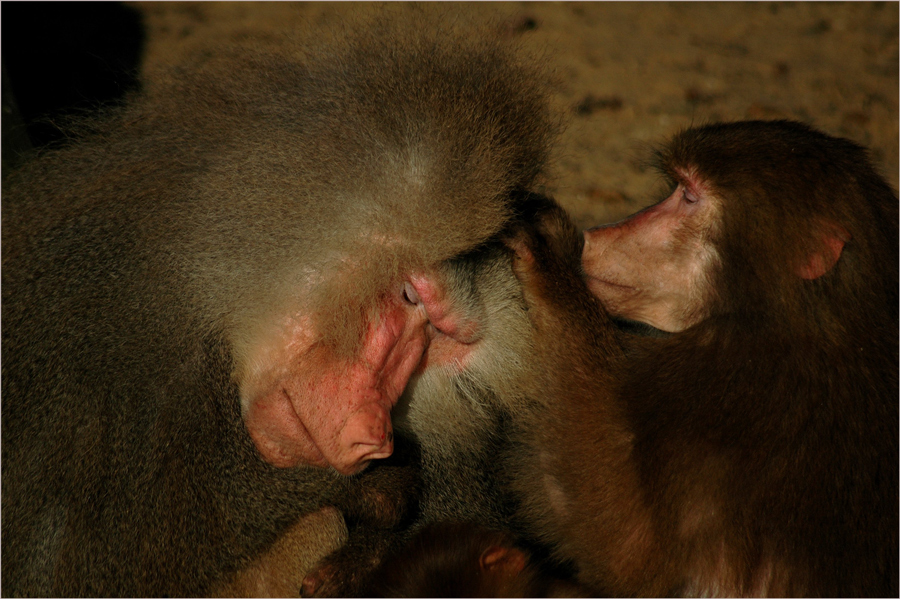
(508, 559)
(831, 244)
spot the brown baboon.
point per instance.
(465, 560)
(214, 297)
(754, 450)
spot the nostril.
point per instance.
(410, 295)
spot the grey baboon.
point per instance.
(214, 296)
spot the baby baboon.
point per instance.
(213, 299)
(754, 450)
(465, 560)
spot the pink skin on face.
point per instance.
(333, 411)
(652, 266)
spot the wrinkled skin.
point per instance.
(290, 426)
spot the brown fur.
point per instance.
(755, 451)
(465, 560)
(297, 550)
(154, 260)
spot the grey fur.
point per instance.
(143, 260)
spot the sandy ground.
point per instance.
(631, 74)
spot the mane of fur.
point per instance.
(297, 178)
